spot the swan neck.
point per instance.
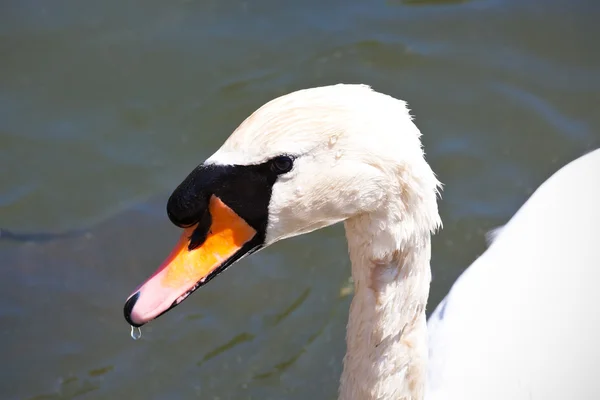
(386, 338)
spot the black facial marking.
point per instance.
(201, 232)
(246, 189)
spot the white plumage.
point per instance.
(520, 323)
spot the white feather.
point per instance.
(492, 234)
(519, 324)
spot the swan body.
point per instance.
(522, 322)
(320, 156)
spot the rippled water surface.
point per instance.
(106, 106)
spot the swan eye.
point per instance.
(282, 164)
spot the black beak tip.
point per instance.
(128, 307)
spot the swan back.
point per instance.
(521, 322)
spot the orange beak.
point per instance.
(185, 270)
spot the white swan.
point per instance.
(522, 322)
(519, 324)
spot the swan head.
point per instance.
(302, 161)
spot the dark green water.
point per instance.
(106, 106)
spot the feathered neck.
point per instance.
(390, 251)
